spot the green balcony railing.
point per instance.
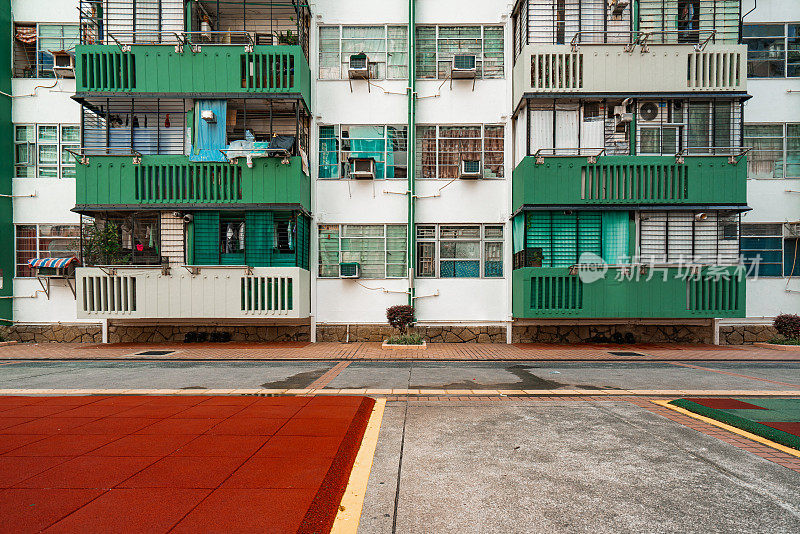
(214, 69)
(172, 181)
(555, 293)
(630, 180)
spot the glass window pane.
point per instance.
(70, 134)
(25, 134)
(48, 133)
(48, 154)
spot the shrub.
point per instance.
(787, 325)
(405, 339)
(400, 317)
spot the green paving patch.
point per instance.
(744, 419)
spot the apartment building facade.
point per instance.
(550, 171)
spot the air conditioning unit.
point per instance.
(358, 67)
(350, 269)
(362, 168)
(616, 7)
(63, 64)
(791, 229)
(621, 114)
(649, 112)
(471, 168)
(464, 66)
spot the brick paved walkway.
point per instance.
(373, 351)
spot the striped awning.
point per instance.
(52, 262)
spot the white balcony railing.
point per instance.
(618, 68)
(190, 292)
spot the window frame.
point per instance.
(438, 153)
(61, 166)
(483, 239)
(784, 54)
(38, 237)
(784, 137)
(480, 59)
(780, 234)
(343, 75)
(40, 68)
(339, 252)
(342, 155)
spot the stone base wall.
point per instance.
(612, 334)
(53, 333)
(176, 334)
(431, 334)
(746, 334)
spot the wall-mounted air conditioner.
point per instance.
(464, 66)
(362, 168)
(350, 269)
(358, 66)
(470, 168)
(791, 229)
(649, 112)
(63, 64)
(616, 7)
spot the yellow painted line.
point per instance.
(349, 513)
(729, 428)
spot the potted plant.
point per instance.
(401, 317)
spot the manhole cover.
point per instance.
(626, 354)
(154, 353)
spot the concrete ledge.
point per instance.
(775, 346)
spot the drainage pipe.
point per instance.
(411, 147)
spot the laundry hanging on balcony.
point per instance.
(210, 121)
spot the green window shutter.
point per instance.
(565, 234)
(303, 240)
(258, 238)
(206, 238)
(589, 233)
(539, 235)
(615, 236)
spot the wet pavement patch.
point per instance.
(154, 353)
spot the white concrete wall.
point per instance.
(475, 301)
(772, 200)
(36, 102)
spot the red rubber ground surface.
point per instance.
(182, 464)
(725, 404)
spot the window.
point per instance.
(762, 249)
(34, 44)
(231, 238)
(773, 50)
(459, 251)
(386, 48)
(387, 145)
(379, 249)
(565, 238)
(770, 250)
(776, 150)
(710, 238)
(442, 148)
(44, 241)
(693, 126)
(41, 150)
(436, 46)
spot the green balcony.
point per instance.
(629, 180)
(222, 69)
(554, 293)
(156, 182)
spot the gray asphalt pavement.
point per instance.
(779, 376)
(583, 467)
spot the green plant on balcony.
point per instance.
(102, 245)
(286, 38)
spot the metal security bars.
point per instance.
(710, 126)
(611, 21)
(437, 45)
(121, 238)
(208, 22)
(123, 125)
